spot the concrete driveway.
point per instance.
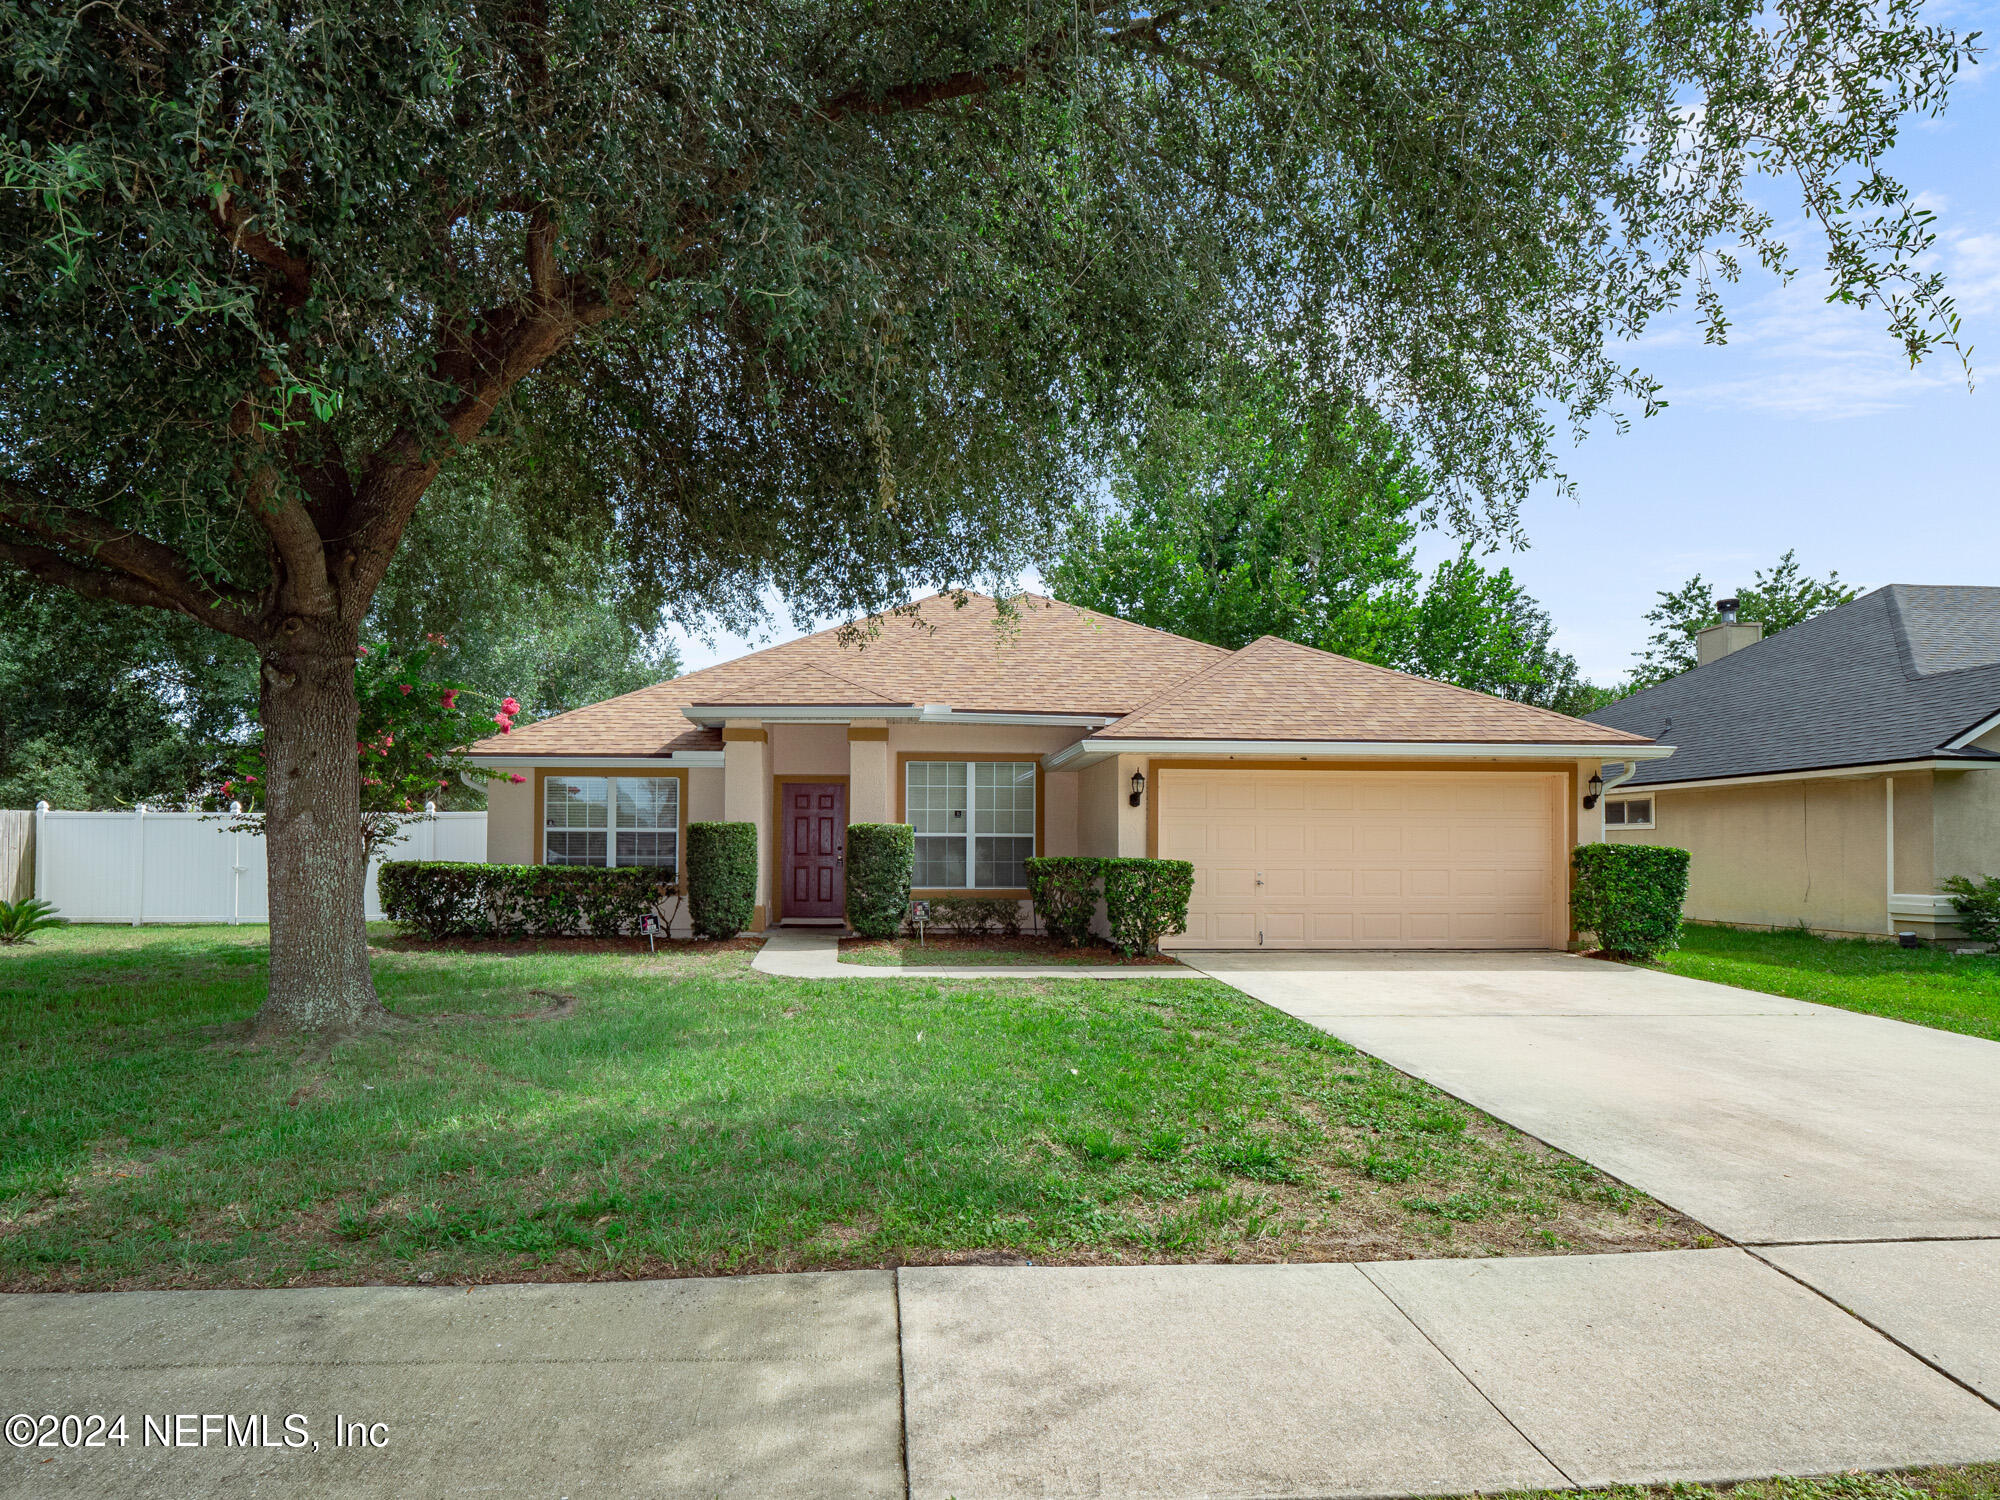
(1770, 1120)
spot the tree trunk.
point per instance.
(312, 836)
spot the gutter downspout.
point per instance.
(1631, 770)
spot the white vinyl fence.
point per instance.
(189, 867)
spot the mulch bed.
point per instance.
(939, 948)
(743, 942)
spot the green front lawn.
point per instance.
(687, 1115)
(1971, 1482)
(1930, 986)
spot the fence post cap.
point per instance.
(236, 807)
(430, 807)
(41, 807)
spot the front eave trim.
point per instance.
(712, 714)
(514, 760)
(1090, 752)
(1859, 772)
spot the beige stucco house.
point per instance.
(1324, 802)
(1833, 775)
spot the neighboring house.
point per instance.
(1324, 802)
(1833, 775)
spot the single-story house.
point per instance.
(1324, 802)
(1833, 775)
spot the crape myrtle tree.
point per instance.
(832, 300)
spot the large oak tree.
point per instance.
(831, 298)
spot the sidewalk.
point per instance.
(814, 953)
(1410, 1377)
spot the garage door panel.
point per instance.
(1366, 859)
(1331, 884)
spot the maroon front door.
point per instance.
(815, 849)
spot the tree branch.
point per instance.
(121, 588)
(233, 223)
(161, 571)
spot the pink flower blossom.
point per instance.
(388, 739)
(361, 651)
(404, 687)
(450, 698)
(514, 776)
(510, 705)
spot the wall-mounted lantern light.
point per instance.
(1138, 787)
(1596, 790)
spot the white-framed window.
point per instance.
(974, 822)
(612, 820)
(1629, 812)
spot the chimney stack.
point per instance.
(1718, 641)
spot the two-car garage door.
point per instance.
(1366, 859)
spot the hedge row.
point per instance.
(1630, 896)
(881, 859)
(443, 899)
(1144, 899)
(722, 878)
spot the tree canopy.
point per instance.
(1782, 596)
(1243, 512)
(837, 302)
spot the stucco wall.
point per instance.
(1782, 853)
(808, 749)
(705, 795)
(1966, 827)
(510, 821)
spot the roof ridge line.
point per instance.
(1435, 682)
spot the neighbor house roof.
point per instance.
(1278, 690)
(1898, 675)
(1045, 658)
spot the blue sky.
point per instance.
(1808, 430)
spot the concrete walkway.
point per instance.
(1411, 1377)
(814, 953)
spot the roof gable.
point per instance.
(1046, 657)
(1275, 689)
(1896, 675)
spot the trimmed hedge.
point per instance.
(1977, 904)
(1146, 900)
(445, 899)
(881, 860)
(1064, 890)
(1630, 896)
(975, 916)
(722, 878)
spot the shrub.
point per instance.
(20, 918)
(1978, 904)
(442, 899)
(722, 878)
(1146, 900)
(881, 859)
(1063, 888)
(1630, 896)
(975, 916)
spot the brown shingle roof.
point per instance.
(1277, 690)
(1049, 658)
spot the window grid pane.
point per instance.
(649, 802)
(1004, 798)
(940, 861)
(999, 862)
(565, 848)
(658, 851)
(574, 801)
(935, 796)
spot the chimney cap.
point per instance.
(1727, 609)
